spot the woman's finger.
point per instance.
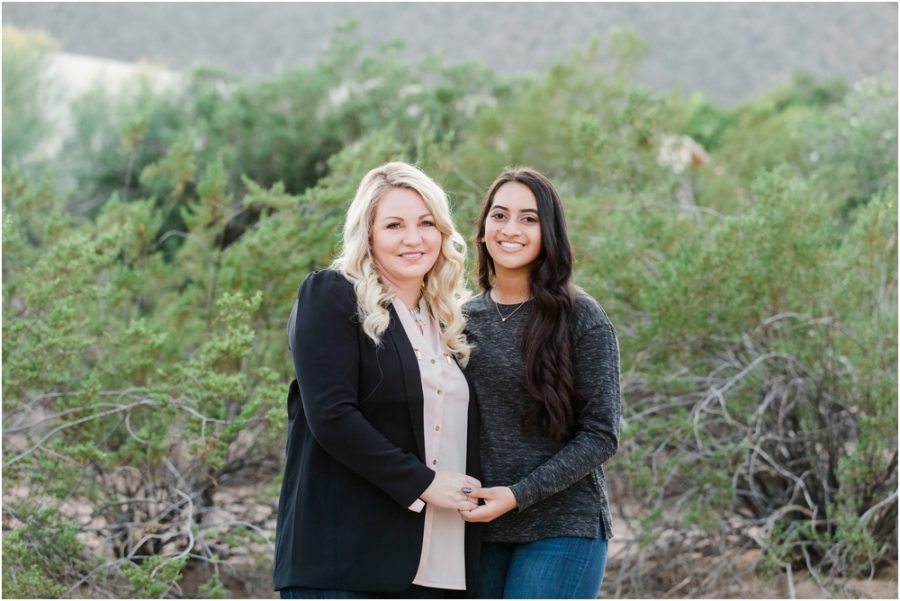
(480, 514)
(481, 493)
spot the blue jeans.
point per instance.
(413, 592)
(551, 568)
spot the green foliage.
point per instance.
(584, 123)
(27, 94)
(707, 122)
(750, 266)
(132, 398)
(153, 578)
(750, 270)
(856, 143)
(212, 589)
(116, 136)
(43, 556)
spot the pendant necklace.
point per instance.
(417, 317)
(503, 319)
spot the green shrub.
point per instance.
(43, 557)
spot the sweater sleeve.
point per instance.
(325, 348)
(596, 433)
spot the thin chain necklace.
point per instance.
(503, 319)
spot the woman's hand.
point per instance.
(497, 501)
(446, 490)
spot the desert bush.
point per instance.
(756, 380)
(110, 404)
(42, 554)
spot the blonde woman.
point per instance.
(381, 450)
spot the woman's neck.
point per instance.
(409, 293)
(511, 288)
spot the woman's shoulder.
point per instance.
(326, 294)
(475, 305)
(327, 279)
(327, 286)
(588, 313)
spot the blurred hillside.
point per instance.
(730, 51)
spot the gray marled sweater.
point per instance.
(560, 486)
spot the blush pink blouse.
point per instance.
(446, 394)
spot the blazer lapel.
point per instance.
(412, 379)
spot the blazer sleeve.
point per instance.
(325, 347)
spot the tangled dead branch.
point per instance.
(152, 515)
(746, 471)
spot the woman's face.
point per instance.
(512, 231)
(405, 238)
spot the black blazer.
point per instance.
(355, 451)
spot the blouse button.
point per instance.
(440, 391)
(433, 361)
(434, 462)
(437, 428)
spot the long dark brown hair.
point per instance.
(547, 345)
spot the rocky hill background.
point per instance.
(730, 52)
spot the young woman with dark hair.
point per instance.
(545, 366)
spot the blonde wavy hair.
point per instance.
(444, 286)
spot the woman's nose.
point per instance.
(412, 236)
(510, 228)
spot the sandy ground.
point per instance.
(80, 73)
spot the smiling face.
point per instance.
(512, 230)
(405, 239)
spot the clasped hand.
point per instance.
(497, 501)
(447, 491)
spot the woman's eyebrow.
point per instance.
(502, 208)
(422, 216)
